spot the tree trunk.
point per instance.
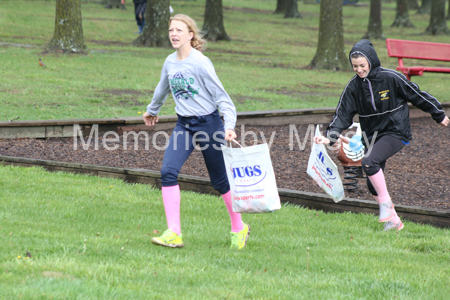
(213, 28)
(156, 28)
(402, 15)
(292, 10)
(281, 7)
(413, 4)
(375, 28)
(330, 53)
(438, 24)
(425, 8)
(68, 35)
(448, 12)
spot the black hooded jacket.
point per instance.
(381, 100)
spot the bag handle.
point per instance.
(235, 143)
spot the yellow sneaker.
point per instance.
(239, 239)
(169, 239)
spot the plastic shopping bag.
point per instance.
(252, 179)
(324, 171)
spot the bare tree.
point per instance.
(413, 4)
(68, 35)
(156, 29)
(425, 8)
(448, 13)
(402, 15)
(292, 10)
(375, 28)
(330, 53)
(213, 28)
(281, 6)
(438, 24)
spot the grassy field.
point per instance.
(89, 238)
(262, 68)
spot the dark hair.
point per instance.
(356, 55)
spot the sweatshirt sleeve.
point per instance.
(220, 96)
(410, 92)
(343, 116)
(161, 92)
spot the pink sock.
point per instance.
(376, 199)
(379, 183)
(236, 221)
(396, 218)
(171, 199)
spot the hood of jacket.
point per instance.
(366, 48)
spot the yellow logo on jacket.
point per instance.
(384, 95)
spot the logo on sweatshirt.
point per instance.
(384, 95)
(182, 87)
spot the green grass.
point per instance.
(262, 68)
(90, 237)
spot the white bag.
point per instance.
(252, 180)
(324, 171)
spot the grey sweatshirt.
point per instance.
(195, 87)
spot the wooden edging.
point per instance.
(66, 128)
(202, 185)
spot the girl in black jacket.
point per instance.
(380, 96)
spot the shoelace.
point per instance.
(386, 204)
(166, 235)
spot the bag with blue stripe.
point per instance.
(252, 179)
(324, 171)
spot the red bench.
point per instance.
(418, 50)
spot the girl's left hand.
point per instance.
(445, 122)
(230, 135)
(321, 140)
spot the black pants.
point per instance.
(138, 8)
(206, 131)
(385, 147)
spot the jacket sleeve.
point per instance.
(410, 92)
(218, 93)
(343, 117)
(161, 92)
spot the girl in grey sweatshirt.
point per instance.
(198, 95)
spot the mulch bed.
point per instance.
(416, 176)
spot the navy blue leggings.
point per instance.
(139, 7)
(206, 131)
(385, 147)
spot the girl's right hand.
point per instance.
(321, 140)
(344, 139)
(445, 122)
(150, 120)
(230, 135)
